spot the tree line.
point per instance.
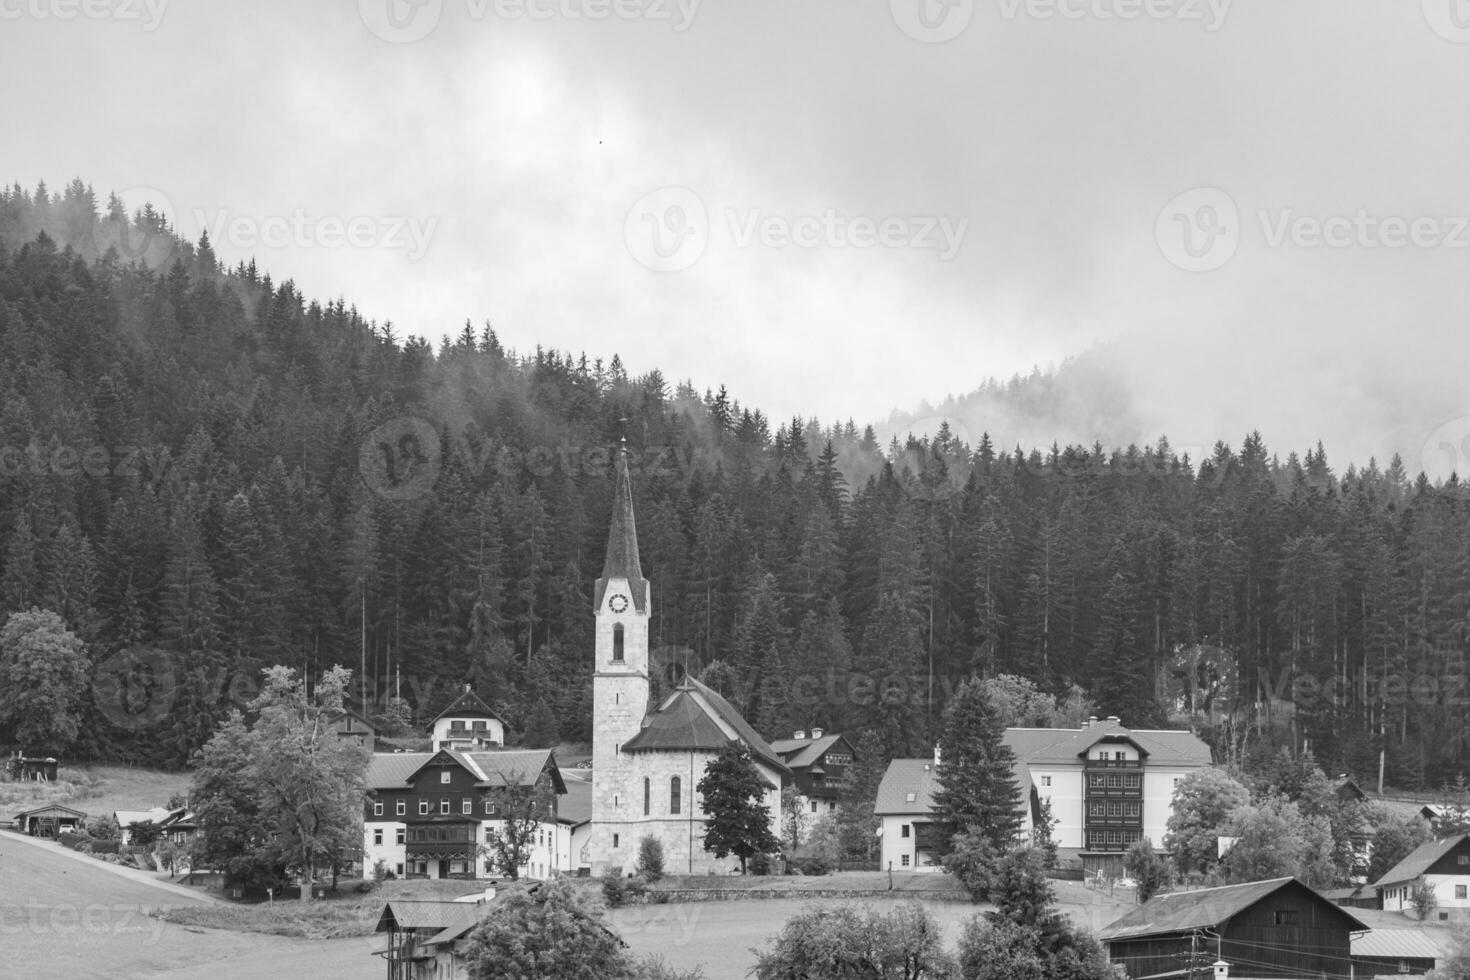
(203, 472)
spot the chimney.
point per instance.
(816, 733)
(1091, 721)
(799, 735)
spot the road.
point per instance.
(70, 917)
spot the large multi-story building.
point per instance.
(1108, 786)
(431, 813)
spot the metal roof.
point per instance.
(622, 544)
(802, 752)
(1397, 943)
(1063, 746)
(691, 718)
(394, 770)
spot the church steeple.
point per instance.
(621, 561)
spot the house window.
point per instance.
(1465, 858)
(617, 643)
(1460, 891)
(423, 808)
(401, 807)
(908, 797)
(444, 807)
(1288, 917)
(647, 796)
(1046, 780)
(398, 836)
(1120, 756)
(814, 806)
(489, 835)
(377, 808)
(904, 831)
(489, 808)
(1133, 781)
(377, 838)
(444, 776)
(398, 870)
(615, 840)
(467, 807)
(676, 794)
(904, 860)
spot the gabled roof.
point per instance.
(622, 543)
(694, 717)
(423, 916)
(1063, 746)
(802, 752)
(1419, 860)
(491, 768)
(1207, 907)
(467, 705)
(917, 778)
(126, 818)
(49, 809)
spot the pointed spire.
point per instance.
(622, 532)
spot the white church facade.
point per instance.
(646, 763)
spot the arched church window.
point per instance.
(617, 642)
(676, 786)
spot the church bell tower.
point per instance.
(621, 605)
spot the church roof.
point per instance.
(690, 719)
(622, 543)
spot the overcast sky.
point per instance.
(833, 207)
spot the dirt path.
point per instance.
(182, 894)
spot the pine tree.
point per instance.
(976, 772)
(733, 796)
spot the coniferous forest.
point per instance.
(204, 472)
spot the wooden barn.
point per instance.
(1264, 930)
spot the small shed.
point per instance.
(423, 938)
(35, 770)
(1395, 952)
(49, 821)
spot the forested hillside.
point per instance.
(205, 472)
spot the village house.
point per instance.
(426, 940)
(574, 821)
(1262, 930)
(467, 724)
(819, 765)
(429, 813)
(1108, 786)
(1443, 865)
(1396, 952)
(50, 820)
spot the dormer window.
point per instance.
(617, 643)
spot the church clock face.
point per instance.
(618, 603)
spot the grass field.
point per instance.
(95, 790)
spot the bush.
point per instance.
(760, 864)
(635, 889)
(817, 864)
(104, 828)
(973, 861)
(614, 891)
(104, 847)
(651, 858)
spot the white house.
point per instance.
(1443, 865)
(1108, 786)
(468, 724)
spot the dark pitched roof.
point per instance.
(395, 770)
(1186, 911)
(1419, 860)
(575, 808)
(695, 717)
(802, 752)
(467, 705)
(622, 543)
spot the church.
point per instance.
(646, 764)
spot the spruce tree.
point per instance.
(976, 772)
